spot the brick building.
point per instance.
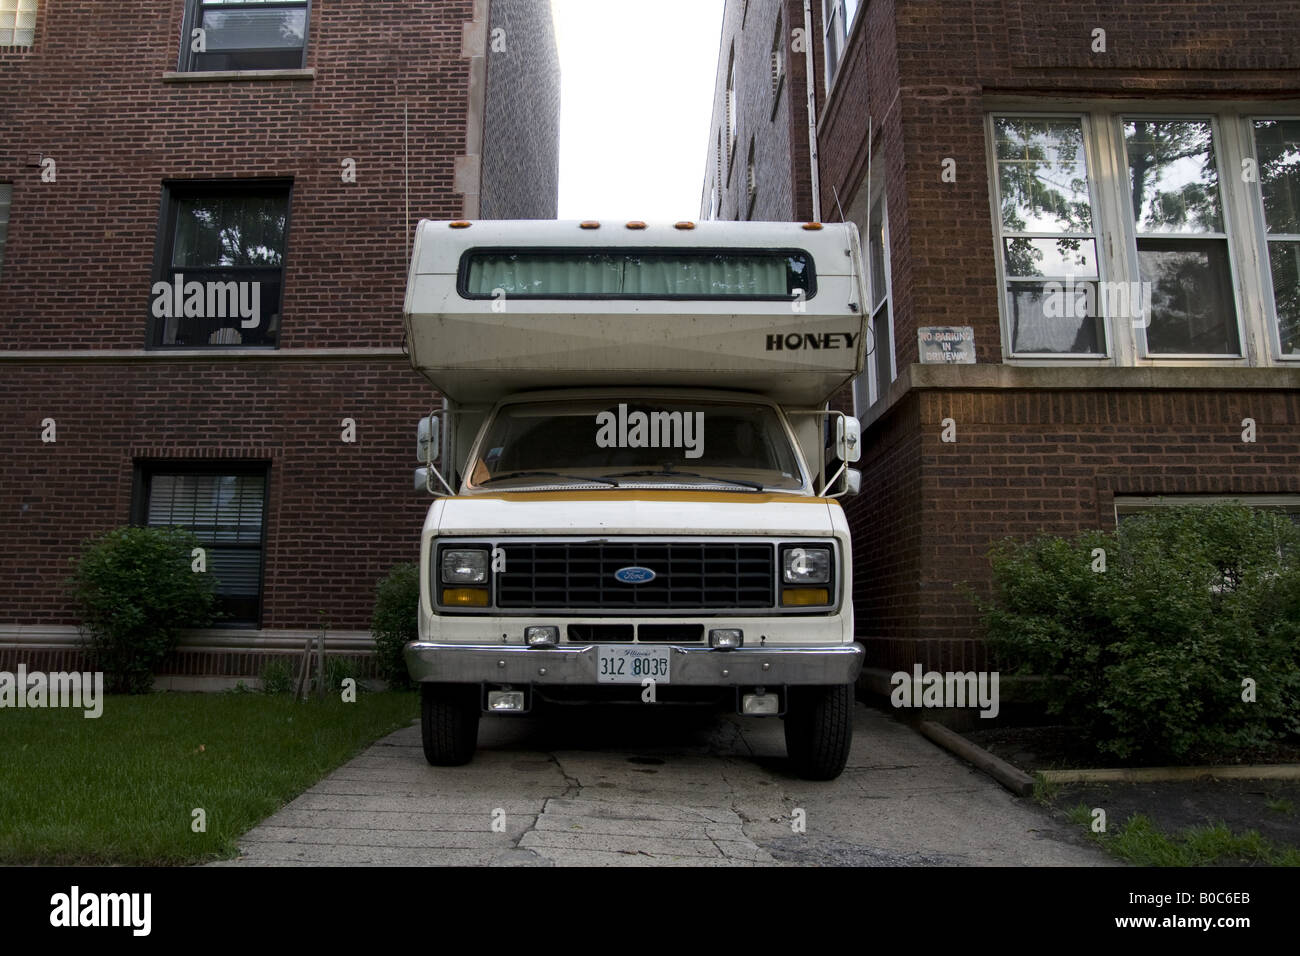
(757, 165)
(1106, 194)
(283, 151)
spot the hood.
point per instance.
(632, 511)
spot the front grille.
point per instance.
(688, 575)
(671, 633)
(600, 633)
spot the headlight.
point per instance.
(464, 567)
(806, 566)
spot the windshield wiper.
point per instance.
(687, 474)
(548, 474)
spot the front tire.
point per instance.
(449, 716)
(819, 730)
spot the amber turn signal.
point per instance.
(465, 597)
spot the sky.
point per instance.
(636, 96)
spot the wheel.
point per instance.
(819, 730)
(449, 716)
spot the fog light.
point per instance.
(725, 638)
(541, 635)
(510, 700)
(767, 705)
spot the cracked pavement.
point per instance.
(628, 786)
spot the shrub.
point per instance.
(1149, 656)
(277, 677)
(396, 621)
(134, 592)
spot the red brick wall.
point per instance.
(1026, 462)
(91, 95)
(78, 270)
(922, 70)
(338, 515)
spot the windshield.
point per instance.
(615, 443)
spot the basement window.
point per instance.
(225, 508)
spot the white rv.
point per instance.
(635, 472)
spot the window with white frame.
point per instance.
(882, 317)
(731, 111)
(778, 57)
(1048, 236)
(1181, 237)
(17, 22)
(870, 211)
(751, 182)
(837, 21)
(1122, 240)
(1277, 154)
(722, 175)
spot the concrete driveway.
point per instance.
(622, 786)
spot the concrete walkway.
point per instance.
(626, 787)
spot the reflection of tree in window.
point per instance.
(1182, 248)
(1277, 147)
(1173, 177)
(1047, 232)
(230, 231)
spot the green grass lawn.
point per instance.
(1139, 841)
(122, 788)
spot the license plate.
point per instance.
(631, 664)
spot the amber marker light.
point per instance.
(805, 597)
(684, 225)
(589, 224)
(460, 224)
(464, 597)
(812, 226)
(636, 224)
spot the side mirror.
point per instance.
(852, 481)
(422, 479)
(848, 439)
(428, 443)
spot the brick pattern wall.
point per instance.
(78, 268)
(1027, 462)
(521, 136)
(338, 515)
(1032, 460)
(80, 250)
(777, 122)
(922, 71)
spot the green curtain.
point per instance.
(630, 274)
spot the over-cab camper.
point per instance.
(635, 472)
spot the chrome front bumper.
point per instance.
(576, 665)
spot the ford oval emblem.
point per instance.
(634, 575)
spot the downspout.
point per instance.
(811, 83)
